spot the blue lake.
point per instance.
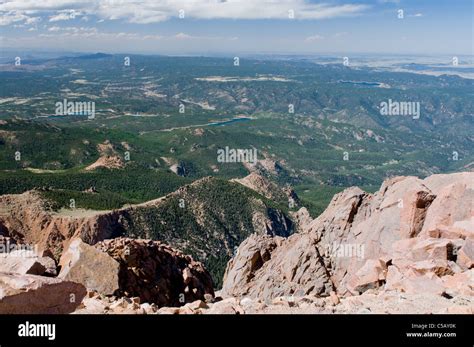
(362, 83)
(226, 122)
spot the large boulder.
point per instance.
(459, 283)
(454, 203)
(85, 264)
(27, 262)
(21, 262)
(31, 294)
(431, 248)
(371, 275)
(157, 273)
(266, 268)
(408, 237)
(465, 254)
(250, 257)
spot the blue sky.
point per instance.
(239, 26)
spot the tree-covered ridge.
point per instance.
(208, 219)
(110, 188)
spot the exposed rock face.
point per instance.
(250, 257)
(371, 275)
(89, 266)
(108, 161)
(120, 273)
(301, 217)
(178, 169)
(26, 218)
(49, 265)
(465, 255)
(157, 273)
(191, 212)
(109, 157)
(267, 188)
(273, 222)
(30, 294)
(264, 268)
(412, 236)
(26, 262)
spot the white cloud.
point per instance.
(152, 37)
(183, 36)
(91, 32)
(65, 15)
(59, 17)
(73, 29)
(96, 37)
(155, 11)
(51, 5)
(14, 17)
(32, 20)
(10, 17)
(152, 11)
(314, 38)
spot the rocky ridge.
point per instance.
(28, 219)
(115, 270)
(412, 236)
(407, 248)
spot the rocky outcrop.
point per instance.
(89, 266)
(266, 267)
(268, 188)
(149, 270)
(371, 275)
(465, 254)
(301, 217)
(26, 262)
(251, 256)
(119, 271)
(109, 157)
(107, 161)
(31, 294)
(217, 215)
(157, 273)
(413, 236)
(271, 222)
(28, 219)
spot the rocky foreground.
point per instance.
(408, 248)
(207, 218)
(370, 302)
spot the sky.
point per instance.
(206, 27)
